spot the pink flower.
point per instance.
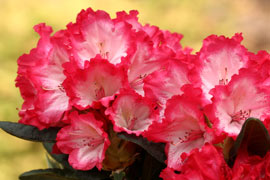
(161, 39)
(98, 82)
(251, 167)
(162, 84)
(261, 64)
(84, 140)
(95, 33)
(242, 98)
(132, 113)
(221, 58)
(40, 77)
(183, 128)
(131, 18)
(143, 62)
(207, 163)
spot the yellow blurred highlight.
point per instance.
(195, 19)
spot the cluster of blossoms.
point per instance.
(102, 74)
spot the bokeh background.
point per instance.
(195, 19)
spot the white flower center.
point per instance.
(240, 116)
(224, 79)
(191, 135)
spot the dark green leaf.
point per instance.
(61, 158)
(119, 176)
(151, 168)
(52, 163)
(62, 174)
(28, 132)
(154, 149)
(253, 137)
(94, 174)
(48, 174)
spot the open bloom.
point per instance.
(221, 58)
(40, 78)
(166, 82)
(242, 98)
(132, 113)
(207, 163)
(95, 33)
(145, 60)
(84, 140)
(251, 167)
(260, 62)
(183, 128)
(99, 81)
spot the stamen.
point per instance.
(91, 142)
(132, 123)
(240, 115)
(102, 52)
(129, 118)
(225, 79)
(191, 136)
(61, 88)
(99, 93)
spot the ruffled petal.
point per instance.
(242, 98)
(84, 140)
(95, 33)
(183, 128)
(207, 163)
(221, 58)
(40, 77)
(132, 113)
(99, 81)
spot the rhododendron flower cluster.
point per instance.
(104, 75)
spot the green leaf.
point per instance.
(28, 132)
(52, 163)
(60, 158)
(154, 149)
(207, 121)
(94, 173)
(253, 137)
(119, 176)
(62, 174)
(151, 168)
(48, 174)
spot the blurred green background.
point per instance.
(195, 19)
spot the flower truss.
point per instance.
(102, 78)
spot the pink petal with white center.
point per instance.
(162, 84)
(205, 164)
(48, 75)
(175, 151)
(242, 98)
(28, 114)
(160, 38)
(183, 128)
(143, 62)
(84, 140)
(41, 73)
(221, 58)
(166, 82)
(51, 106)
(132, 113)
(99, 81)
(95, 33)
(131, 18)
(261, 63)
(171, 41)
